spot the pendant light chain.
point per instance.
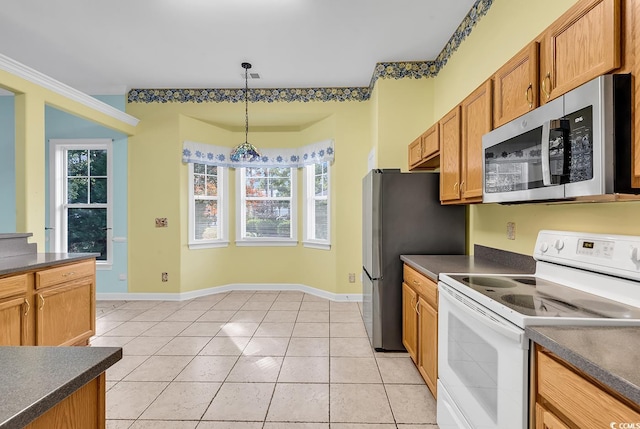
(246, 103)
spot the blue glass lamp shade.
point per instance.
(245, 152)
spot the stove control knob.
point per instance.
(635, 255)
(558, 244)
(544, 246)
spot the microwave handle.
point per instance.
(546, 162)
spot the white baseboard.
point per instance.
(182, 296)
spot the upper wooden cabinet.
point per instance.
(450, 136)
(476, 122)
(424, 152)
(515, 86)
(580, 45)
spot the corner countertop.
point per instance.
(16, 264)
(434, 265)
(607, 354)
(34, 379)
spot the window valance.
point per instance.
(203, 153)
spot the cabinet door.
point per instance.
(476, 121)
(430, 142)
(66, 313)
(450, 156)
(546, 420)
(428, 344)
(13, 321)
(515, 86)
(415, 153)
(582, 44)
(409, 321)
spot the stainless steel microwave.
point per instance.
(574, 146)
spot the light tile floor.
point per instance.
(254, 360)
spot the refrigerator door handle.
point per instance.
(369, 275)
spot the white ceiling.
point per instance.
(111, 46)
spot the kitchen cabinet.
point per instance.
(410, 321)
(567, 398)
(14, 310)
(450, 135)
(580, 45)
(515, 86)
(53, 306)
(425, 150)
(476, 121)
(83, 409)
(420, 324)
(65, 297)
(461, 132)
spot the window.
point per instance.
(267, 206)
(316, 207)
(81, 195)
(208, 224)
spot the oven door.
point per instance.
(482, 366)
(516, 158)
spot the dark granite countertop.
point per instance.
(433, 265)
(34, 379)
(608, 354)
(16, 264)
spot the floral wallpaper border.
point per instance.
(389, 70)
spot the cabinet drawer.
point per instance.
(13, 286)
(54, 276)
(575, 396)
(426, 287)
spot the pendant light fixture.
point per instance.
(245, 152)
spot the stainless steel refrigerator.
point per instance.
(402, 214)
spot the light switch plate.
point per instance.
(511, 230)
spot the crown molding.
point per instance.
(27, 73)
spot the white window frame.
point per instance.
(223, 213)
(309, 209)
(241, 208)
(58, 192)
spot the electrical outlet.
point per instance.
(352, 277)
(165, 277)
(122, 277)
(511, 230)
(161, 222)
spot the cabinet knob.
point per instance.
(41, 301)
(27, 305)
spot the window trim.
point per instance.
(58, 189)
(223, 230)
(242, 241)
(309, 199)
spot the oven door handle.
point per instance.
(468, 307)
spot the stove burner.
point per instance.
(491, 282)
(526, 281)
(600, 306)
(525, 301)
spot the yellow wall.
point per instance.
(509, 26)
(155, 162)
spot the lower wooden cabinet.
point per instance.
(410, 321)
(83, 409)
(428, 343)
(566, 398)
(13, 321)
(50, 307)
(64, 316)
(420, 324)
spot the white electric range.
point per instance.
(483, 355)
